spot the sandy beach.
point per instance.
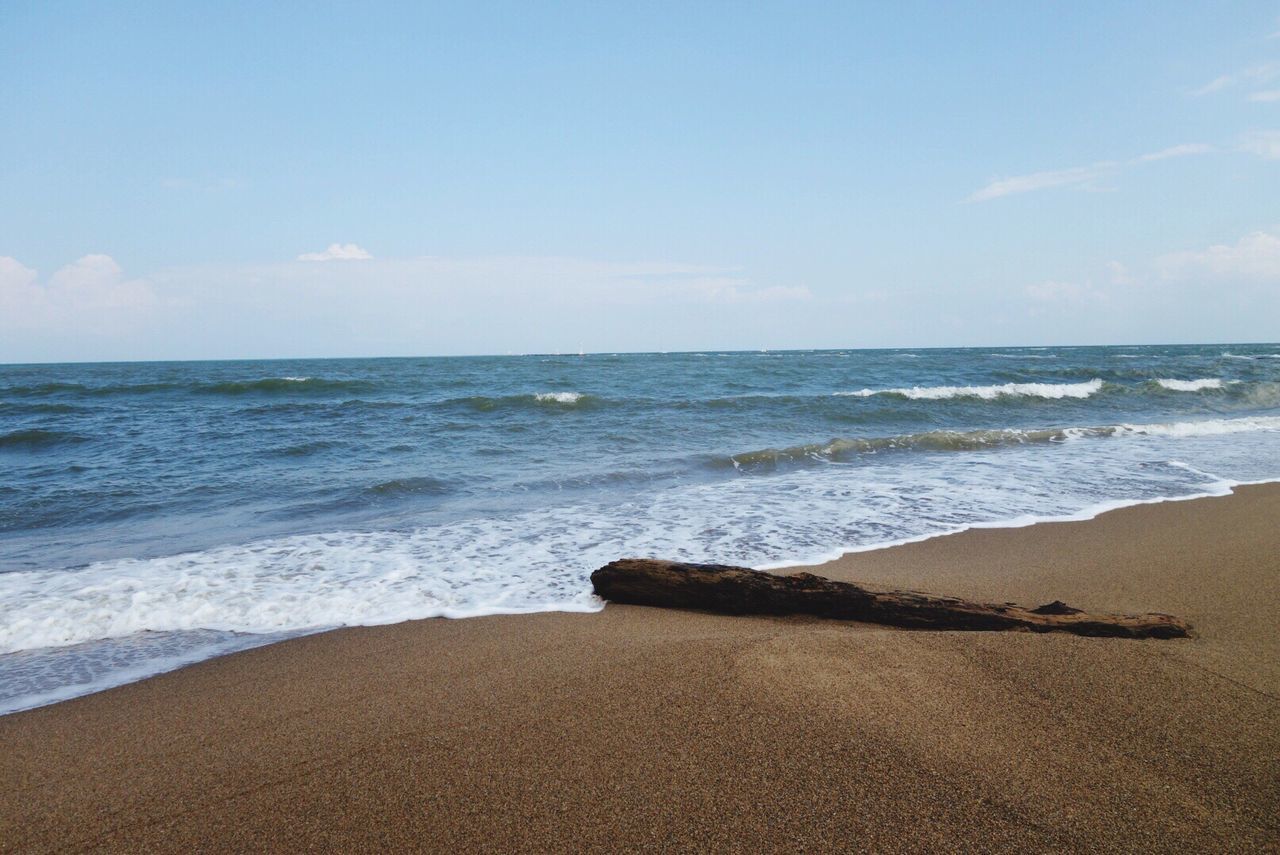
(645, 728)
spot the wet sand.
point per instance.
(645, 728)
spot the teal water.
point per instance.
(153, 514)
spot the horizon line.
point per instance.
(637, 353)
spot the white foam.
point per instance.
(290, 584)
(540, 559)
(558, 397)
(1215, 488)
(1031, 390)
(40, 676)
(1191, 385)
(1206, 427)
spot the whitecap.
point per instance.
(1029, 390)
(558, 397)
(1191, 385)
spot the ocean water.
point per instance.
(156, 514)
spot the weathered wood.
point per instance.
(739, 590)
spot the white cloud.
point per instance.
(89, 295)
(338, 252)
(14, 276)
(1118, 274)
(1266, 96)
(422, 305)
(1066, 292)
(430, 304)
(1262, 143)
(1042, 181)
(546, 279)
(1174, 151)
(1255, 257)
(1224, 292)
(1079, 176)
(1255, 76)
(1214, 85)
(736, 291)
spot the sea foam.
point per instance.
(538, 560)
(1029, 390)
(1191, 385)
(558, 397)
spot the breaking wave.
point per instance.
(842, 449)
(558, 397)
(1191, 385)
(537, 400)
(1027, 390)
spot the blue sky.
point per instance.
(539, 177)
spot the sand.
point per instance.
(645, 728)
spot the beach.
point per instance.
(649, 728)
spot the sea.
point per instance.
(157, 514)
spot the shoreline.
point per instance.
(637, 726)
(1223, 487)
(1219, 488)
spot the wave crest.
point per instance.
(536, 400)
(558, 397)
(1190, 385)
(420, 486)
(1014, 390)
(286, 385)
(37, 438)
(840, 449)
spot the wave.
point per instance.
(303, 449)
(533, 557)
(286, 385)
(41, 389)
(1207, 427)
(558, 397)
(419, 486)
(1191, 385)
(33, 439)
(536, 400)
(841, 449)
(1028, 390)
(38, 407)
(540, 558)
(267, 385)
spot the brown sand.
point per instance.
(645, 728)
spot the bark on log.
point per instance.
(739, 590)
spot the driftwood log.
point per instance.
(739, 590)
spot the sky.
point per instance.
(385, 179)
